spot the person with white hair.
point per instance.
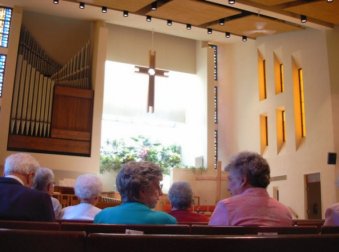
(88, 188)
(17, 200)
(44, 181)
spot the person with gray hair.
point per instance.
(87, 188)
(181, 197)
(139, 186)
(250, 204)
(44, 181)
(17, 200)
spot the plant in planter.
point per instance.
(117, 152)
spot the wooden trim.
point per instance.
(49, 145)
(71, 134)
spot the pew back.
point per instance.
(113, 228)
(14, 240)
(211, 243)
(238, 230)
(33, 225)
(330, 229)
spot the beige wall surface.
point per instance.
(240, 85)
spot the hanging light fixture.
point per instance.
(125, 13)
(303, 19)
(221, 21)
(169, 22)
(55, 1)
(148, 18)
(104, 9)
(82, 5)
(231, 1)
(209, 31)
(189, 27)
(227, 34)
(154, 6)
(244, 38)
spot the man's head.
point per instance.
(22, 165)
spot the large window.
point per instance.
(5, 21)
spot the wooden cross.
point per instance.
(152, 72)
(218, 179)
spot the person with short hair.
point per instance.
(87, 188)
(332, 215)
(181, 197)
(44, 181)
(17, 200)
(250, 204)
(139, 186)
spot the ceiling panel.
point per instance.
(192, 12)
(254, 26)
(328, 12)
(271, 2)
(128, 5)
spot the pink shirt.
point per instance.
(253, 207)
(332, 215)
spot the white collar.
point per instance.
(16, 178)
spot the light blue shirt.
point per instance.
(133, 213)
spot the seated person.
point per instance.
(88, 188)
(44, 181)
(181, 197)
(332, 215)
(17, 200)
(250, 204)
(139, 186)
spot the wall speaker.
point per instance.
(332, 158)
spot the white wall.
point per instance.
(240, 94)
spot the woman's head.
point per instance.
(180, 195)
(139, 181)
(247, 169)
(87, 187)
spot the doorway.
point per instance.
(313, 196)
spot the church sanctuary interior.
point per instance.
(252, 75)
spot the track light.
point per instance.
(154, 6)
(227, 34)
(125, 13)
(231, 1)
(244, 38)
(221, 21)
(330, 1)
(189, 27)
(209, 31)
(169, 22)
(303, 19)
(104, 9)
(148, 18)
(82, 5)
(55, 1)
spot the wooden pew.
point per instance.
(17, 240)
(33, 225)
(113, 228)
(211, 243)
(248, 230)
(308, 222)
(330, 229)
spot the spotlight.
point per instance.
(244, 38)
(82, 5)
(154, 6)
(222, 21)
(148, 18)
(303, 19)
(330, 1)
(227, 34)
(55, 1)
(231, 1)
(189, 27)
(125, 13)
(169, 22)
(104, 9)
(209, 31)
